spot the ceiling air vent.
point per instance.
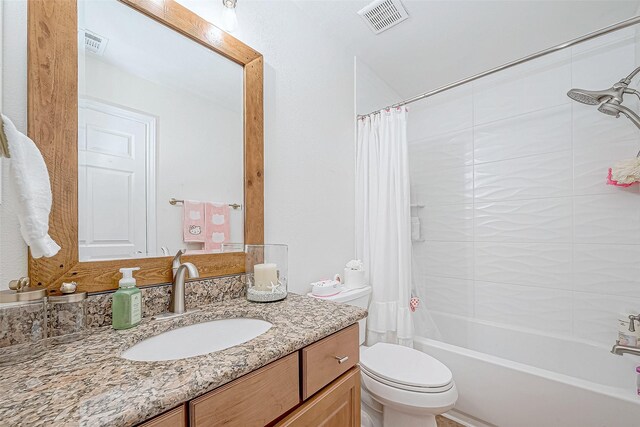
(95, 43)
(383, 14)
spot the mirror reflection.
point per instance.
(160, 141)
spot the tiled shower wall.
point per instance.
(518, 225)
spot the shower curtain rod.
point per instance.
(611, 28)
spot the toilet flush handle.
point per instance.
(341, 359)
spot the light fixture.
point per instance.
(229, 18)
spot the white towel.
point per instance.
(31, 184)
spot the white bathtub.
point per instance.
(516, 378)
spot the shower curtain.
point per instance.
(383, 223)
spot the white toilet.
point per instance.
(400, 386)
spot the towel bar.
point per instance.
(174, 202)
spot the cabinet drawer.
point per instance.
(256, 399)
(326, 360)
(177, 417)
(338, 405)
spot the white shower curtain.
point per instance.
(383, 224)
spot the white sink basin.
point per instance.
(196, 340)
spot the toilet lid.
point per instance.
(405, 366)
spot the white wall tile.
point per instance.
(449, 295)
(600, 68)
(534, 264)
(516, 198)
(447, 222)
(612, 218)
(446, 186)
(607, 269)
(595, 315)
(540, 132)
(546, 310)
(525, 88)
(447, 259)
(443, 113)
(446, 151)
(593, 129)
(538, 220)
(545, 175)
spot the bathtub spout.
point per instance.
(620, 349)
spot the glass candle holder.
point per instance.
(267, 272)
(233, 247)
(22, 331)
(67, 317)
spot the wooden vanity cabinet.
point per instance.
(177, 417)
(327, 359)
(337, 405)
(256, 399)
(316, 386)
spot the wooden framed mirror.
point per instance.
(53, 124)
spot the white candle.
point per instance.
(264, 275)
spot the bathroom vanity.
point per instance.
(319, 384)
(303, 368)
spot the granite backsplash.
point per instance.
(26, 323)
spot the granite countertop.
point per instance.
(86, 383)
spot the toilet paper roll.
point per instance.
(353, 278)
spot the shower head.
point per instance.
(613, 108)
(610, 100)
(591, 97)
(595, 97)
(610, 108)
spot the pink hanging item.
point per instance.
(193, 221)
(625, 173)
(414, 302)
(217, 225)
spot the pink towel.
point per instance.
(193, 221)
(217, 226)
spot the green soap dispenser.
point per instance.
(126, 307)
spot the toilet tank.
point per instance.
(358, 297)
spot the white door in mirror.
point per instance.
(196, 340)
(114, 147)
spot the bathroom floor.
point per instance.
(446, 422)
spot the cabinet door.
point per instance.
(177, 417)
(327, 359)
(256, 399)
(338, 405)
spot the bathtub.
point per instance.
(519, 378)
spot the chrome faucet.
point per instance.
(180, 270)
(632, 322)
(621, 349)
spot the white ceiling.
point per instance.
(148, 49)
(441, 42)
(445, 41)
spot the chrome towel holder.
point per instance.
(174, 202)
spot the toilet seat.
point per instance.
(406, 387)
(405, 368)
